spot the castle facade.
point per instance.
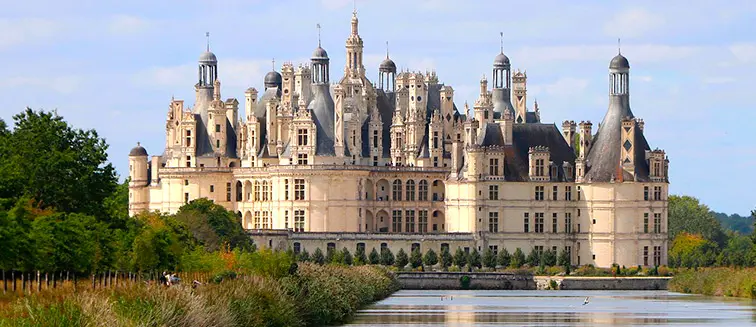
(313, 164)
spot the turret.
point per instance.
(139, 175)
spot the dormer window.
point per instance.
(554, 172)
(493, 167)
(540, 169)
(302, 136)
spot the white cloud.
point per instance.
(633, 23)
(745, 52)
(58, 84)
(233, 73)
(643, 78)
(565, 86)
(635, 53)
(27, 30)
(125, 24)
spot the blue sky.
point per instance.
(113, 66)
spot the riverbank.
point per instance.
(313, 296)
(734, 282)
(523, 281)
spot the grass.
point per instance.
(723, 281)
(314, 296)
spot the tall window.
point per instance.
(645, 193)
(301, 136)
(189, 138)
(299, 189)
(555, 193)
(286, 189)
(265, 220)
(568, 193)
(493, 167)
(265, 191)
(645, 222)
(657, 223)
(435, 140)
(299, 220)
(526, 223)
(494, 249)
(257, 191)
(539, 222)
(657, 193)
(580, 194)
(410, 219)
(493, 192)
(286, 219)
(228, 191)
(493, 222)
(302, 159)
(422, 222)
(257, 220)
(657, 255)
(554, 223)
(217, 128)
(186, 198)
(568, 222)
(397, 190)
(188, 161)
(539, 193)
(396, 221)
(422, 191)
(539, 167)
(645, 255)
(410, 190)
(375, 139)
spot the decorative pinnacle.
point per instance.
(318, 35)
(273, 62)
(207, 35)
(501, 40)
(354, 5)
(387, 50)
(619, 48)
(139, 144)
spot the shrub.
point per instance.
(430, 258)
(553, 285)
(303, 256)
(460, 259)
(464, 282)
(387, 258)
(474, 259)
(374, 257)
(401, 259)
(446, 258)
(518, 259)
(489, 259)
(346, 257)
(317, 257)
(224, 275)
(503, 258)
(416, 259)
(359, 257)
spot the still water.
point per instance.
(555, 308)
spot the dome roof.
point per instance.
(619, 61)
(208, 56)
(388, 65)
(138, 151)
(319, 53)
(501, 60)
(273, 79)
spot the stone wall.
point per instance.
(604, 283)
(451, 281)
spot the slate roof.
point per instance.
(322, 113)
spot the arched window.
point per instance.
(397, 190)
(410, 190)
(422, 191)
(257, 191)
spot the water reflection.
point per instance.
(554, 308)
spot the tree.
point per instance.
(460, 258)
(317, 257)
(446, 258)
(687, 214)
(57, 166)
(489, 259)
(416, 258)
(534, 258)
(359, 256)
(158, 244)
(374, 257)
(212, 225)
(564, 258)
(549, 258)
(518, 259)
(65, 242)
(387, 258)
(474, 259)
(346, 257)
(303, 256)
(430, 258)
(401, 259)
(738, 252)
(503, 258)
(692, 250)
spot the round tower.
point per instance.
(320, 63)
(619, 75)
(387, 74)
(139, 175)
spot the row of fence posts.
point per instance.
(34, 281)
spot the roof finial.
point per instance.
(139, 144)
(354, 5)
(318, 35)
(619, 48)
(387, 50)
(501, 35)
(207, 35)
(274, 63)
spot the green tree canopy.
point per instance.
(212, 225)
(416, 258)
(430, 258)
(401, 259)
(687, 214)
(56, 165)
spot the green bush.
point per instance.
(464, 282)
(225, 275)
(430, 258)
(374, 257)
(401, 259)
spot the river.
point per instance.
(555, 308)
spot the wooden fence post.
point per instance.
(47, 281)
(13, 275)
(55, 281)
(23, 283)
(75, 281)
(39, 282)
(5, 283)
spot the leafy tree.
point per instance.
(549, 258)
(359, 256)
(346, 257)
(737, 223)
(518, 259)
(430, 258)
(692, 250)
(489, 259)
(687, 214)
(334, 256)
(474, 258)
(303, 256)
(416, 258)
(117, 206)
(212, 225)
(387, 258)
(446, 258)
(503, 258)
(564, 258)
(374, 257)
(401, 259)
(158, 244)
(738, 252)
(460, 258)
(534, 258)
(317, 257)
(59, 167)
(65, 242)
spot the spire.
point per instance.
(619, 48)
(387, 50)
(273, 63)
(501, 40)
(318, 35)
(207, 35)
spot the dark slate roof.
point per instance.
(322, 113)
(386, 103)
(529, 135)
(202, 141)
(208, 57)
(138, 151)
(502, 102)
(530, 117)
(619, 62)
(490, 135)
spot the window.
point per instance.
(657, 193)
(539, 222)
(493, 192)
(188, 138)
(186, 197)
(301, 159)
(297, 248)
(657, 223)
(375, 139)
(494, 249)
(286, 219)
(568, 193)
(330, 247)
(410, 190)
(493, 167)
(265, 220)
(301, 136)
(657, 255)
(526, 223)
(435, 140)
(539, 166)
(265, 191)
(217, 143)
(645, 222)
(384, 246)
(188, 161)
(422, 221)
(257, 191)
(299, 189)
(493, 222)
(645, 255)
(397, 190)
(568, 222)
(415, 246)
(410, 221)
(361, 246)
(375, 161)
(257, 220)
(435, 161)
(228, 191)
(645, 193)
(485, 114)
(444, 246)
(538, 249)
(554, 223)
(422, 191)
(286, 189)
(555, 193)
(212, 188)
(396, 221)
(539, 193)
(299, 220)
(217, 128)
